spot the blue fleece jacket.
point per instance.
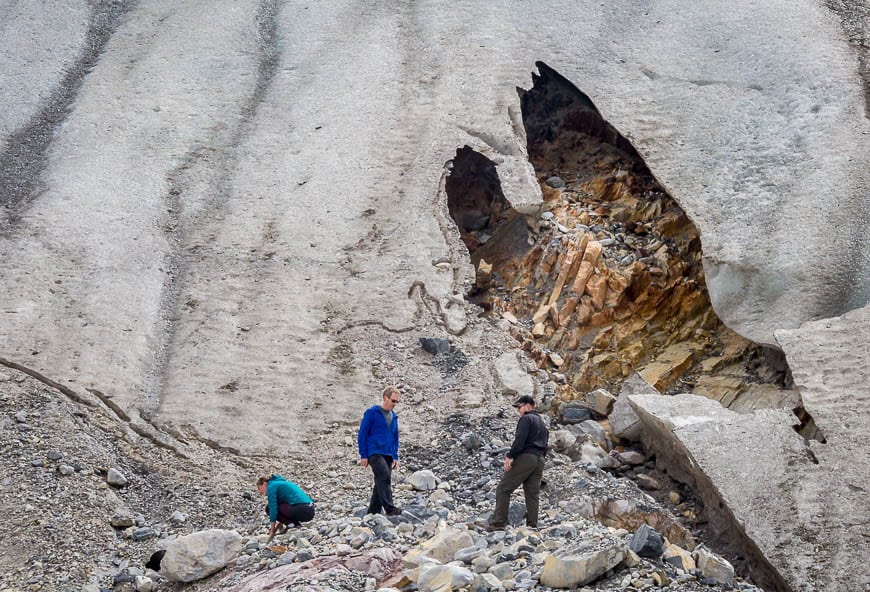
(281, 491)
(375, 436)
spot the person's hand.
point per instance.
(508, 462)
(395, 463)
(364, 462)
(272, 528)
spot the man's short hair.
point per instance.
(388, 392)
(523, 400)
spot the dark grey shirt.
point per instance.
(532, 436)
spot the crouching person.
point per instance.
(286, 503)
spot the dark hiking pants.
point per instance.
(382, 493)
(294, 514)
(527, 470)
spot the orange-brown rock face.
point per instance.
(608, 281)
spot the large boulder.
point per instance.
(195, 556)
(442, 547)
(581, 564)
(512, 379)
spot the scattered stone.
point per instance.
(644, 481)
(513, 380)
(600, 401)
(54, 455)
(472, 441)
(647, 542)
(712, 566)
(122, 520)
(65, 470)
(679, 558)
(144, 584)
(115, 478)
(178, 517)
(435, 345)
(443, 578)
(422, 480)
(572, 414)
(555, 182)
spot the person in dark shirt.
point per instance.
(524, 465)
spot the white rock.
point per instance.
(144, 584)
(712, 566)
(200, 554)
(511, 377)
(422, 480)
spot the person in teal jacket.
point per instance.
(378, 441)
(286, 503)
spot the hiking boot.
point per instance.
(495, 527)
(394, 512)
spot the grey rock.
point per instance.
(21, 416)
(144, 533)
(195, 556)
(435, 345)
(54, 455)
(712, 566)
(644, 481)
(647, 542)
(467, 555)
(574, 414)
(512, 378)
(555, 182)
(423, 480)
(472, 441)
(65, 470)
(122, 520)
(115, 478)
(580, 564)
(178, 517)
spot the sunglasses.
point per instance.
(394, 401)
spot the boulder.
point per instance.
(422, 480)
(441, 547)
(486, 582)
(195, 556)
(624, 422)
(581, 564)
(511, 377)
(679, 558)
(443, 578)
(600, 401)
(647, 542)
(712, 566)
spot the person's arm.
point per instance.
(362, 438)
(395, 439)
(272, 496)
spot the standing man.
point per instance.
(378, 441)
(524, 465)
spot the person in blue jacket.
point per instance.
(286, 503)
(378, 441)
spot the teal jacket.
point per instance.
(281, 491)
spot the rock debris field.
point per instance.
(87, 503)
